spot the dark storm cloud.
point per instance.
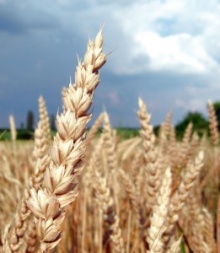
(10, 23)
(18, 19)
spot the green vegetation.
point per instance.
(30, 121)
(126, 133)
(22, 134)
(200, 125)
(217, 112)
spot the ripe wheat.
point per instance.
(94, 192)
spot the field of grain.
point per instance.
(80, 193)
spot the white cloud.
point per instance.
(179, 36)
(180, 52)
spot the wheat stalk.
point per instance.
(105, 203)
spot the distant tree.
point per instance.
(52, 122)
(30, 121)
(200, 123)
(157, 130)
(217, 112)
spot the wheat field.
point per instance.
(80, 192)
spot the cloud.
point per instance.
(180, 53)
(167, 52)
(194, 96)
(173, 36)
(176, 36)
(17, 18)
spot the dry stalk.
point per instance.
(136, 168)
(131, 191)
(106, 204)
(94, 129)
(218, 225)
(130, 149)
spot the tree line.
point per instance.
(30, 121)
(199, 121)
(26, 131)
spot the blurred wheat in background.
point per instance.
(96, 192)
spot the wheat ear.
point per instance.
(159, 214)
(213, 124)
(175, 246)
(179, 198)
(151, 163)
(109, 143)
(44, 118)
(112, 160)
(196, 233)
(173, 151)
(164, 132)
(185, 145)
(68, 149)
(41, 146)
(18, 228)
(12, 128)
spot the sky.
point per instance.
(165, 51)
